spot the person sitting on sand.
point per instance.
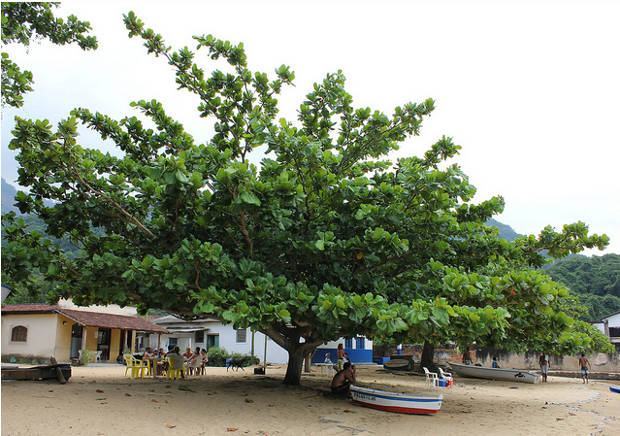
(584, 363)
(544, 366)
(343, 379)
(494, 364)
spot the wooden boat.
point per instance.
(615, 389)
(399, 362)
(505, 374)
(60, 372)
(396, 402)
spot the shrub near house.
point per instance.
(218, 356)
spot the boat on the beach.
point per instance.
(615, 389)
(60, 372)
(396, 402)
(399, 362)
(506, 374)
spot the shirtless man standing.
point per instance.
(343, 379)
(584, 364)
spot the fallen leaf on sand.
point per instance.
(154, 400)
(348, 411)
(99, 391)
(51, 390)
(100, 399)
(186, 388)
(127, 394)
(572, 414)
(247, 400)
(170, 425)
(231, 429)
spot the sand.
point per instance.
(101, 401)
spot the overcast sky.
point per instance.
(531, 91)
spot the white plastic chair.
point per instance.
(443, 374)
(432, 380)
(98, 358)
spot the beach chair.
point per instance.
(443, 374)
(432, 380)
(135, 366)
(447, 376)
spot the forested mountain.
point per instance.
(505, 231)
(595, 279)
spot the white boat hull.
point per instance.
(505, 374)
(395, 402)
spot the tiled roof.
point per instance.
(94, 319)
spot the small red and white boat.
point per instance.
(396, 402)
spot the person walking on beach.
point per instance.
(584, 364)
(544, 367)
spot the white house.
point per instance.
(211, 332)
(610, 326)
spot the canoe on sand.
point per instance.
(505, 374)
(396, 402)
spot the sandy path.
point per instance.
(239, 403)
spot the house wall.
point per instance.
(614, 321)
(115, 343)
(228, 340)
(41, 338)
(62, 348)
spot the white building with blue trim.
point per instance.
(211, 332)
(359, 350)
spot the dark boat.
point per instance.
(399, 362)
(60, 372)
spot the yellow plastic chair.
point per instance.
(174, 371)
(136, 366)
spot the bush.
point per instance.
(218, 356)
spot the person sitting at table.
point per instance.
(195, 362)
(148, 358)
(161, 353)
(204, 357)
(188, 354)
(176, 360)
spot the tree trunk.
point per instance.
(428, 353)
(293, 370)
(307, 362)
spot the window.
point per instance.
(172, 342)
(348, 343)
(360, 343)
(242, 335)
(200, 336)
(19, 334)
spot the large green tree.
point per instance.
(24, 22)
(326, 238)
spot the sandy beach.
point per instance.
(101, 401)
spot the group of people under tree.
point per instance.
(194, 362)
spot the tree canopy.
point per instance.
(326, 238)
(24, 21)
